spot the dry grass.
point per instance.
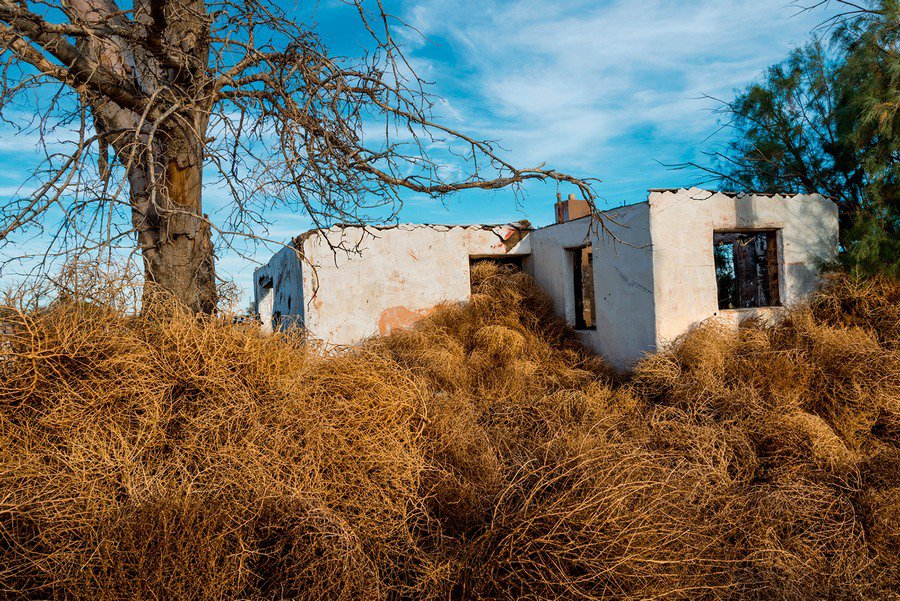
(482, 454)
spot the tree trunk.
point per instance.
(173, 233)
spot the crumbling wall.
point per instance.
(387, 278)
(682, 224)
(654, 268)
(278, 291)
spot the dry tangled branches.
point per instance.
(483, 454)
(138, 107)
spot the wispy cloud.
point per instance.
(603, 88)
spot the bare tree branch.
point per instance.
(156, 95)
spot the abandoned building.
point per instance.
(659, 267)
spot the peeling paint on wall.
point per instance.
(399, 317)
(650, 287)
(390, 277)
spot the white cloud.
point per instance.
(578, 83)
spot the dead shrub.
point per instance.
(183, 456)
(481, 454)
(498, 345)
(872, 304)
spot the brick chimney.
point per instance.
(571, 208)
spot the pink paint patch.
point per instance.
(507, 234)
(399, 317)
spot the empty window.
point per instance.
(507, 263)
(746, 269)
(514, 261)
(583, 277)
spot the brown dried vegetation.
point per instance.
(482, 454)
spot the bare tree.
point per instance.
(154, 91)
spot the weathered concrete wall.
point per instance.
(278, 291)
(682, 223)
(623, 279)
(396, 276)
(654, 271)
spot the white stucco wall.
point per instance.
(623, 279)
(682, 223)
(393, 277)
(654, 270)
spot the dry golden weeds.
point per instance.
(481, 454)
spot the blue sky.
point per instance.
(604, 89)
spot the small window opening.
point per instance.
(583, 278)
(266, 302)
(514, 261)
(746, 269)
(507, 263)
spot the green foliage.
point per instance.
(873, 247)
(787, 131)
(826, 120)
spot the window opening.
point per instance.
(746, 269)
(508, 263)
(583, 278)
